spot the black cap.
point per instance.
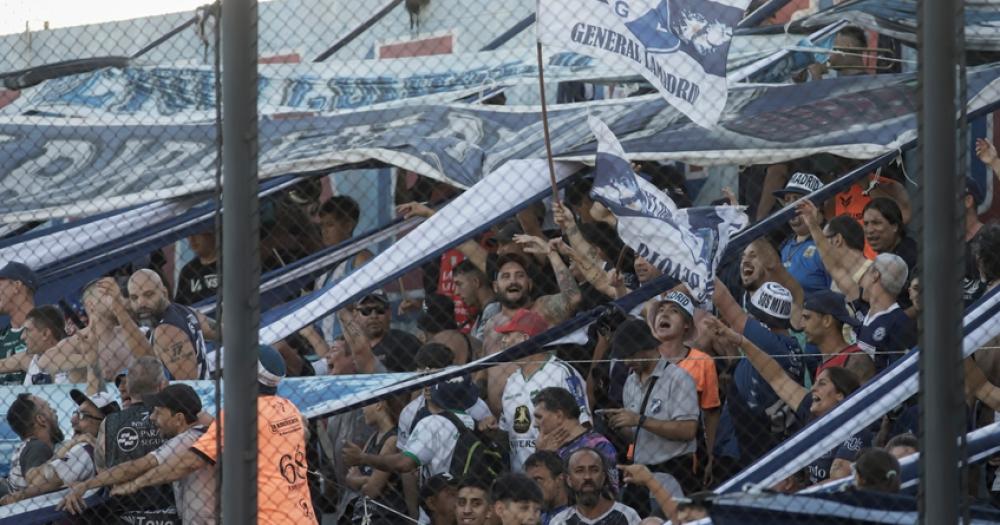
(832, 303)
(436, 484)
(457, 393)
(15, 271)
(179, 398)
(631, 337)
(438, 314)
(378, 296)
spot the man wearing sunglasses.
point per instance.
(72, 462)
(368, 325)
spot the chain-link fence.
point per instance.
(686, 285)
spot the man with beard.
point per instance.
(798, 253)
(513, 286)
(73, 461)
(395, 349)
(175, 336)
(588, 484)
(34, 421)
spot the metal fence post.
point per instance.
(241, 268)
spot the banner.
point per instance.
(71, 169)
(679, 46)
(685, 244)
(187, 94)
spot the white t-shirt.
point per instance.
(518, 417)
(33, 369)
(478, 412)
(194, 494)
(76, 466)
(432, 443)
(618, 514)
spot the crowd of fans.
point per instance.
(657, 405)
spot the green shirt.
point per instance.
(10, 344)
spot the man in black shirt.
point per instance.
(199, 279)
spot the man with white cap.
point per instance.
(887, 332)
(798, 253)
(758, 416)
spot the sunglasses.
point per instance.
(81, 414)
(369, 310)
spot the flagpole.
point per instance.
(545, 124)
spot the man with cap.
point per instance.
(660, 414)
(824, 318)
(798, 253)
(18, 284)
(673, 325)
(175, 412)
(72, 462)
(432, 441)
(366, 326)
(126, 437)
(438, 499)
(430, 358)
(540, 370)
(755, 413)
(887, 332)
(282, 490)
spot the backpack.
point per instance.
(475, 452)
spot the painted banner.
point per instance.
(685, 244)
(72, 169)
(678, 46)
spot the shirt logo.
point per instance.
(285, 426)
(810, 251)
(879, 333)
(522, 420)
(127, 439)
(654, 406)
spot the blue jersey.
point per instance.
(887, 335)
(802, 260)
(818, 470)
(186, 320)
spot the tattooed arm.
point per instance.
(555, 308)
(174, 349)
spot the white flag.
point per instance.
(679, 46)
(685, 244)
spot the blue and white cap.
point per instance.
(270, 366)
(800, 183)
(682, 300)
(771, 304)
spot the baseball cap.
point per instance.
(104, 401)
(15, 271)
(892, 270)
(438, 314)
(828, 302)
(974, 188)
(436, 484)
(179, 398)
(526, 322)
(682, 300)
(631, 337)
(801, 183)
(376, 296)
(270, 366)
(507, 232)
(771, 304)
(457, 393)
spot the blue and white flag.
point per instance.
(679, 46)
(683, 243)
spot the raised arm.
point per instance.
(729, 309)
(357, 341)
(788, 390)
(987, 153)
(555, 308)
(470, 248)
(834, 265)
